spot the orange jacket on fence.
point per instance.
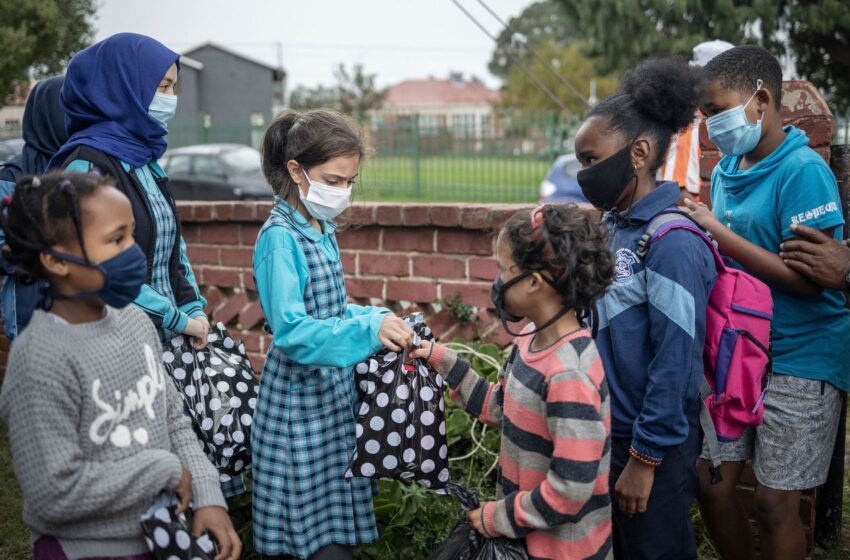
(682, 165)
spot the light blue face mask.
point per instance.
(732, 132)
(163, 107)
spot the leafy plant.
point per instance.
(463, 312)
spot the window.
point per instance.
(177, 165)
(244, 161)
(209, 166)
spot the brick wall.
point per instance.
(407, 257)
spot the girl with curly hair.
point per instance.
(551, 399)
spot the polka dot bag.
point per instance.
(401, 427)
(168, 535)
(219, 390)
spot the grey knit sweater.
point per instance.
(97, 431)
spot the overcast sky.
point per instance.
(396, 39)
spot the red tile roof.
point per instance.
(433, 92)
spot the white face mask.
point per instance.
(325, 202)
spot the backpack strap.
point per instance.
(710, 433)
(672, 218)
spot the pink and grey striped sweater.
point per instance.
(553, 408)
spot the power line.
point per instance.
(367, 47)
(519, 64)
(545, 62)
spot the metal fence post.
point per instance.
(417, 180)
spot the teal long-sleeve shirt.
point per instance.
(281, 271)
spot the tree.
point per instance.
(542, 21)
(41, 35)
(814, 33)
(354, 94)
(571, 64)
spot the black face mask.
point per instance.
(603, 184)
(497, 295)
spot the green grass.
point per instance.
(452, 179)
(14, 535)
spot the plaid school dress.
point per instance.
(303, 433)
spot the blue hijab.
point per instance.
(108, 90)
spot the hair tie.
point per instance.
(7, 200)
(538, 228)
(94, 172)
(65, 184)
(35, 182)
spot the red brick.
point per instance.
(411, 290)
(241, 257)
(376, 264)
(415, 239)
(475, 218)
(360, 288)
(500, 216)
(263, 209)
(439, 267)
(445, 216)
(191, 232)
(248, 281)
(464, 242)
(389, 215)
(248, 235)
(416, 215)
(441, 324)
(202, 212)
(223, 211)
(349, 261)
(219, 234)
(201, 254)
(221, 277)
(252, 315)
(477, 294)
(251, 340)
(360, 238)
(231, 308)
(483, 269)
(214, 298)
(245, 211)
(362, 215)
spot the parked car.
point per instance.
(560, 184)
(9, 148)
(216, 172)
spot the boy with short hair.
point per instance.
(768, 181)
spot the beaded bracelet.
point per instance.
(643, 458)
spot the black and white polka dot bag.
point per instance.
(219, 390)
(168, 536)
(401, 427)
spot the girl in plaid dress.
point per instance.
(304, 423)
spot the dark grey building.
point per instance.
(224, 97)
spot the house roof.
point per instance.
(191, 63)
(433, 92)
(209, 44)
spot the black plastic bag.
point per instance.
(401, 427)
(169, 536)
(219, 390)
(464, 543)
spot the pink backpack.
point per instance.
(736, 356)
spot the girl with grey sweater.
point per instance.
(96, 430)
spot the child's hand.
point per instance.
(702, 215)
(198, 330)
(476, 519)
(215, 520)
(426, 348)
(395, 333)
(633, 487)
(184, 491)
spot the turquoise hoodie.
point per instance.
(793, 185)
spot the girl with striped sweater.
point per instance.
(551, 399)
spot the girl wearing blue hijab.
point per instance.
(118, 98)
